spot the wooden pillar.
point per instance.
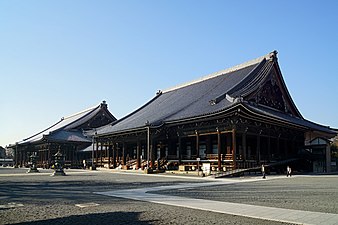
(278, 146)
(269, 148)
(228, 143)
(114, 155)
(123, 154)
(234, 148)
(258, 148)
(138, 161)
(109, 150)
(244, 150)
(219, 157)
(179, 150)
(49, 159)
(101, 154)
(197, 144)
(117, 155)
(328, 158)
(49, 156)
(97, 153)
(46, 157)
(16, 155)
(74, 160)
(152, 153)
(148, 147)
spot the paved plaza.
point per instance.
(115, 197)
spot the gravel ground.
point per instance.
(52, 200)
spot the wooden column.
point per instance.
(49, 156)
(97, 152)
(234, 148)
(179, 151)
(114, 155)
(117, 154)
(228, 143)
(109, 150)
(148, 146)
(101, 154)
(219, 158)
(269, 148)
(278, 146)
(258, 148)
(152, 153)
(244, 150)
(46, 157)
(138, 161)
(123, 154)
(197, 144)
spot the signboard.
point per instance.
(206, 168)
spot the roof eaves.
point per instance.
(205, 115)
(43, 130)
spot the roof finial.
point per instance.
(273, 55)
(104, 104)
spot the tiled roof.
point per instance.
(187, 101)
(68, 136)
(63, 130)
(287, 118)
(209, 95)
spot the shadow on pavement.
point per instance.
(116, 218)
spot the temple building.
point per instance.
(68, 135)
(238, 118)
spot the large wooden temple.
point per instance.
(238, 118)
(69, 136)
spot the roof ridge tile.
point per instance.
(225, 71)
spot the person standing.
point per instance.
(263, 171)
(288, 171)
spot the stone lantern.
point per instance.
(58, 166)
(32, 163)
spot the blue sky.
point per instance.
(61, 57)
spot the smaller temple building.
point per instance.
(68, 135)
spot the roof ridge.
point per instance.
(225, 71)
(81, 112)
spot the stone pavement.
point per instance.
(260, 212)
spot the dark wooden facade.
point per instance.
(226, 142)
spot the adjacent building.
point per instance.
(68, 135)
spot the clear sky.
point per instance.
(59, 57)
